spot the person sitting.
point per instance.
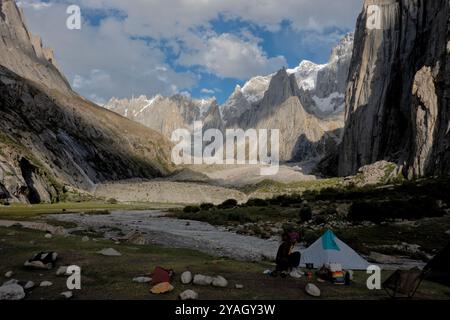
(286, 258)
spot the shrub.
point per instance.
(191, 209)
(379, 211)
(255, 202)
(112, 201)
(206, 206)
(228, 204)
(305, 213)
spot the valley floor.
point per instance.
(111, 277)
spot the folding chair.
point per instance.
(404, 283)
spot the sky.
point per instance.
(201, 48)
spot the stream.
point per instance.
(159, 229)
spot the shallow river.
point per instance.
(162, 230)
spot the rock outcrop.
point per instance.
(303, 135)
(397, 103)
(305, 103)
(50, 137)
(166, 114)
(23, 52)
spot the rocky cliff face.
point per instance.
(397, 104)
(23, 52)
(166, 114)
(51, 138)
(303, 135)
(321, 87)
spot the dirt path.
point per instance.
(177, 233)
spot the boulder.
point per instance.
(62, 271)
(67, 294)
(85, 239)
(12, 281)
(37, 265)
(29, 285)
(188, 295)
(202, 280)
(186, 277)
(312, 290)
(142, 279)
(220, 282)
(48, 236)
(110, 252)
(9, 274)
(45, 284)
(11, 292)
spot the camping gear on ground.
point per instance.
(42, 260)
(404, 282)
(161, 275)
(330, 249)
(338, 277)
(162, 287)
(438, 268)
(323, 274)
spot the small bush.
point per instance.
(112, 201)
(255, 202)
(206, 206)
(228, 204)
(379, 211)
(191, 209)
(305, 213)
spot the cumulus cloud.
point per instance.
(227, 55)
(207, 91)
(129, 40)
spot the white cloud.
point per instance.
(127, 44)
(207, 91)
(227, 55)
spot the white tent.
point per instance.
(330, 249)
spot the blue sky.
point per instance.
(198, 47)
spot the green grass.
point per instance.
(24, 211)
(111, 277)
(270, 186)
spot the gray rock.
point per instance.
(312, 290)
(9, 274)
(11, 292)
(29, 285)
(62, 271)
(85, 239)
(46, 284)
(12, 281)
(202, 280)
(142, 279)
(220, 281)
(67, 294)
(37, 265)
(413, 129)
(48, 236)
(239, 286)
(188, 295)
(110, 252)
(186, 277)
